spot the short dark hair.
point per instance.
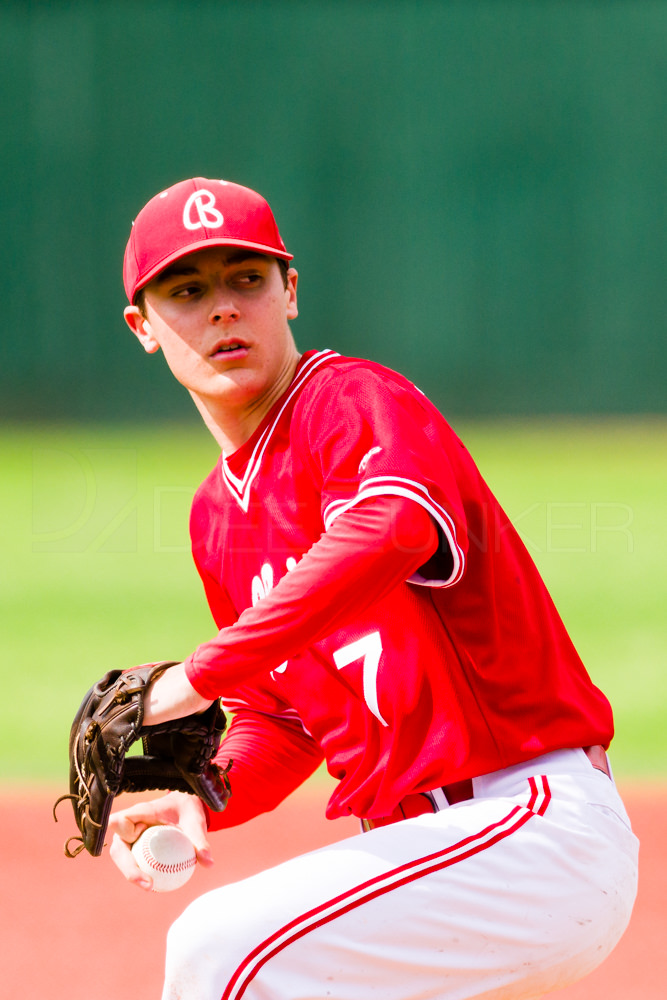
(284, 268)
(140, 297)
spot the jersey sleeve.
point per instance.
(367, 433)
(368, 551)
(270, 757)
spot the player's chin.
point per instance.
(236, 386)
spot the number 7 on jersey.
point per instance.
(368, 649)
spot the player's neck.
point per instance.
(232, 427)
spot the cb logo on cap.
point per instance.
(200, 211)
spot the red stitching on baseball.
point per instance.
(160, 866)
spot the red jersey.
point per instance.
(462, 669)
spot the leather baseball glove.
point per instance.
(177, 755)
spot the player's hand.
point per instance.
(174, 809)
(172, 696)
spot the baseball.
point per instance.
(167, 855)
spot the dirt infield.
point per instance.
(59, 915)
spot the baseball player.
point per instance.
(376, 610)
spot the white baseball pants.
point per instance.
(519, 891)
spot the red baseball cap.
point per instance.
(193, 215)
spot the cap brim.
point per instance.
(203, 245)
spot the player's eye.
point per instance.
(185, 291)
(248, 279)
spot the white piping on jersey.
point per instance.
(240, 488)
(329, 910)
(239, 704)
(397, 486)
(236, 705)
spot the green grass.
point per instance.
(97, 572)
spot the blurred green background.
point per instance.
(474, 193)
(94, 533)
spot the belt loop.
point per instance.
(440, 800)
(458, 791)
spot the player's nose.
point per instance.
(223, 314)
(223, 307)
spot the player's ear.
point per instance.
(290, 292)
(141, 328)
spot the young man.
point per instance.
(376, 610)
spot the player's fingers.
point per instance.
(204, 854)
(131, 822)
(192, 822)
(122, 857)
(199, 842)
(127, 827)
(173, 809)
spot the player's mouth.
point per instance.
(229, 349)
